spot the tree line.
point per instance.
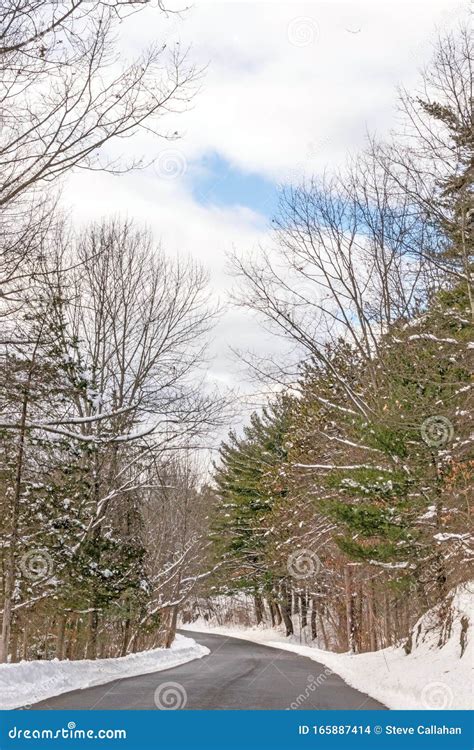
(104, 402)
(345, 505)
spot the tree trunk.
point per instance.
(172, 627)
(258, 604)
(24, 650)
(69, 650)
(285, 605)
(304, 610)
(10, 572)
(126, 637)
(314, 627)
(60, 637)
(371, 617)
(323, 630)
(278, 617)
(271, 607)
(296, 607)
(350, 620)
(387, 620)
(359, 619)
(14, 643)
(93, 624)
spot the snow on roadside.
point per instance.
(428, 678)
(31, 681)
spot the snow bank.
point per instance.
(31, 681)
(430, 677)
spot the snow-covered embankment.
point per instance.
(436, 674)
(28, 682)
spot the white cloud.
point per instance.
(265, 99)
(268, 106)
(183, 227)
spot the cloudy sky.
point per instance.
(289, 89)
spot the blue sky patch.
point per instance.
(214, 181)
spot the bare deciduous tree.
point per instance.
(127, 328)
(66, 93)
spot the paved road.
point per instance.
(237, 674)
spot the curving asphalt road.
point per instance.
(237, 674)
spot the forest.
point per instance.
(347, 500)
(343, 502)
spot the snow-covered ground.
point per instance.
(28, 682)
(428, 678)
